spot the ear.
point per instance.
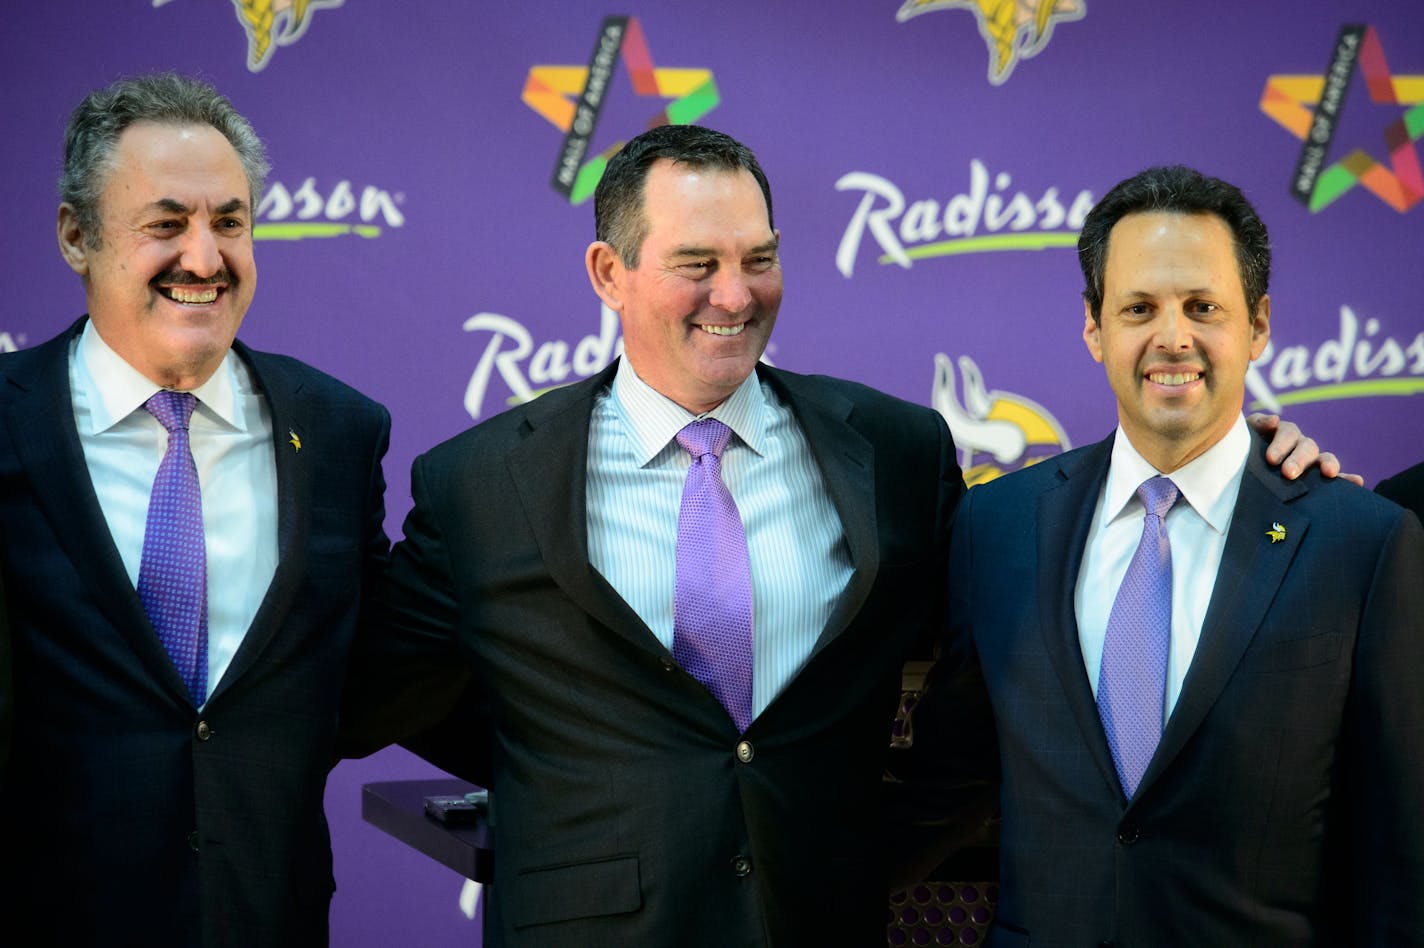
(1092, 333)
(606, 273)
(71, 240)
(1260, 328)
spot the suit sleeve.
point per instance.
(945, 791)
(405, 674)
(1385, 755)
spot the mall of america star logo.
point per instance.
(1309, 107)
(272, 23)
(571, 98)
(1013, 29)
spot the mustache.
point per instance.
(184, 278)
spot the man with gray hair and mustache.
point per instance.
(181, 590)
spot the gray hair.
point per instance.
(167, 98)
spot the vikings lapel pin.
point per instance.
(294, 441)
(1277, 533)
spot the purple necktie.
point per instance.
(1132, 681)
(712, 604)
(173, 575)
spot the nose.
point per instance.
(729, 291)
(200, 255)
(1174, 329)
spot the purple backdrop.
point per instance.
(929, 177)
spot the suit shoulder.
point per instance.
(496, 435)
(1348, 501)
(1047, 474)
(20, 368)
(312, 382)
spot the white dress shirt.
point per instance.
(231, 438)
(800, 563)
(1196, 529)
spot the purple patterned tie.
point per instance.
(1132, 681)
(712, 604)
(173, 575)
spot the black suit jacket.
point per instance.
(1405, 488)
(128, 818)
(1282, 807)
(625, 814)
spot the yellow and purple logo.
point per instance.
(996, 432)
(1310, 107)
(272, 23)
(1014, 30)
(572, 99)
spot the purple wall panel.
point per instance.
(404, 125)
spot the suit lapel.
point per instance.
(41, 426)
(1251, 572)
(549, 468)
(282, 392)
(847, 464)
(1064, 516)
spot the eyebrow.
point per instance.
(770, 245)
(173, 206)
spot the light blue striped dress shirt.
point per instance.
(799, 559)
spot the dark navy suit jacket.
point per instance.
(1282, 807)
(126, 817)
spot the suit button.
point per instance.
(204, 732)
(193, 840)
(669, 665)
(1128, 833)
(745, 753)
(742, 866)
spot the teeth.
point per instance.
(1177, 378)
(193, 295)
(724, 330)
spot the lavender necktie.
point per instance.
(173, 574)
(1132, 681)
(712, 604)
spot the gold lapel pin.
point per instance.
(1277, 533)
(295, 442)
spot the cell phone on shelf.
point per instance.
(461, 810)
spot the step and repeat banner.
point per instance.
(423, 229)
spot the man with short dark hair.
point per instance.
(187, 527)
(1208, 682)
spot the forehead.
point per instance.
(153, 161)
(685, 203)
(1153, 246)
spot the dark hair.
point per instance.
(618, 201)
(168, 98)
(1177, 190)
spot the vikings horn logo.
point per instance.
(272, 23)
(996, 432)
(1013, 29)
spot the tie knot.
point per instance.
(172, 409)
(704, 436)
(1157, 494)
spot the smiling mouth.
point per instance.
(722, 330)
(1173, 378)
(190, 294)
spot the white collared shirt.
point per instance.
(231, 438)
(800, 562)
(1196, 528)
